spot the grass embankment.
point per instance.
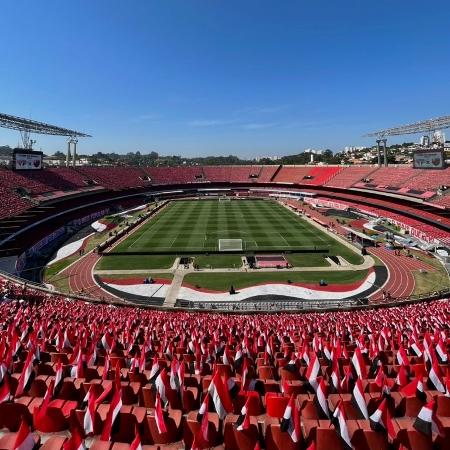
(307, 260)
(426, 282)
(218, 261)
(129, 262)
(222, 281)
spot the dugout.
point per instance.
(360, 238)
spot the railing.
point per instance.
(275, 306)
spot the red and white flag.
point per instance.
(340, 422)
(154, 371)
(58, 376)
(402, 357)
(381, 420)
(27, 371)
(203, 418)
(415, 389)
(107, 342)
(243, 421)
(321, 399)
(162, 385)
(427, 421)
(359, 364)
(5, 391)
(136, 444)
(75, 442)
(291, 420)
(89, 415)
(313, 371)
(435, 377)
(359, 400)
(24, 438)
(220, 396)
(441, 352)
(159, 415)
(40, 412)
(113, 412)
(401, 379)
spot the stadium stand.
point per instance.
(350, 175)
(244, 174)
(59, 179)
(291, 174)
(124, 376)
(12, 204)
(170, 175)
(267, 173)
(389, 176)
(320, 176)
(115, 177)
(217, 173)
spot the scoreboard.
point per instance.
(428, 159)
(26, 159)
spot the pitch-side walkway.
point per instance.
(172, 294)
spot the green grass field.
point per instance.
(194, 226)
(222, 281)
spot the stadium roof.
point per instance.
(32, 126)
(427, 126)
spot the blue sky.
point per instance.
(248, 77)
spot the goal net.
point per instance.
(224, 199)
(230, 245)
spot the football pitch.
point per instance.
(197, 225)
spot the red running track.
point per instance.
(81, 280)
(401, 281)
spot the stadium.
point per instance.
(156, 294)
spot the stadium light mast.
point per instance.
(429, 126)
(27, 126)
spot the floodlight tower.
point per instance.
(27, 126)
(74, 155)
(428, 126)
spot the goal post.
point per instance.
(230, 245)
(224, 199)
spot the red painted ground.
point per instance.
(130, 281)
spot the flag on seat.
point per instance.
(5, 391)
(359, 400)
(159, 415)
(340, 422)
(359, 364)
(435, 377)
(162, 385)
(291, 420)
(220, 396)
(58, 377)
(243, 421)
(321, 399)
(113, 412)
(40, 412)
(313, 371)
(24, 438)
(203, 418)
(26, 375)
(89, 415)
(381, 420)
(415, 389)
(136, 444)
(75, 442)
(401, 380)
(427, 421)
